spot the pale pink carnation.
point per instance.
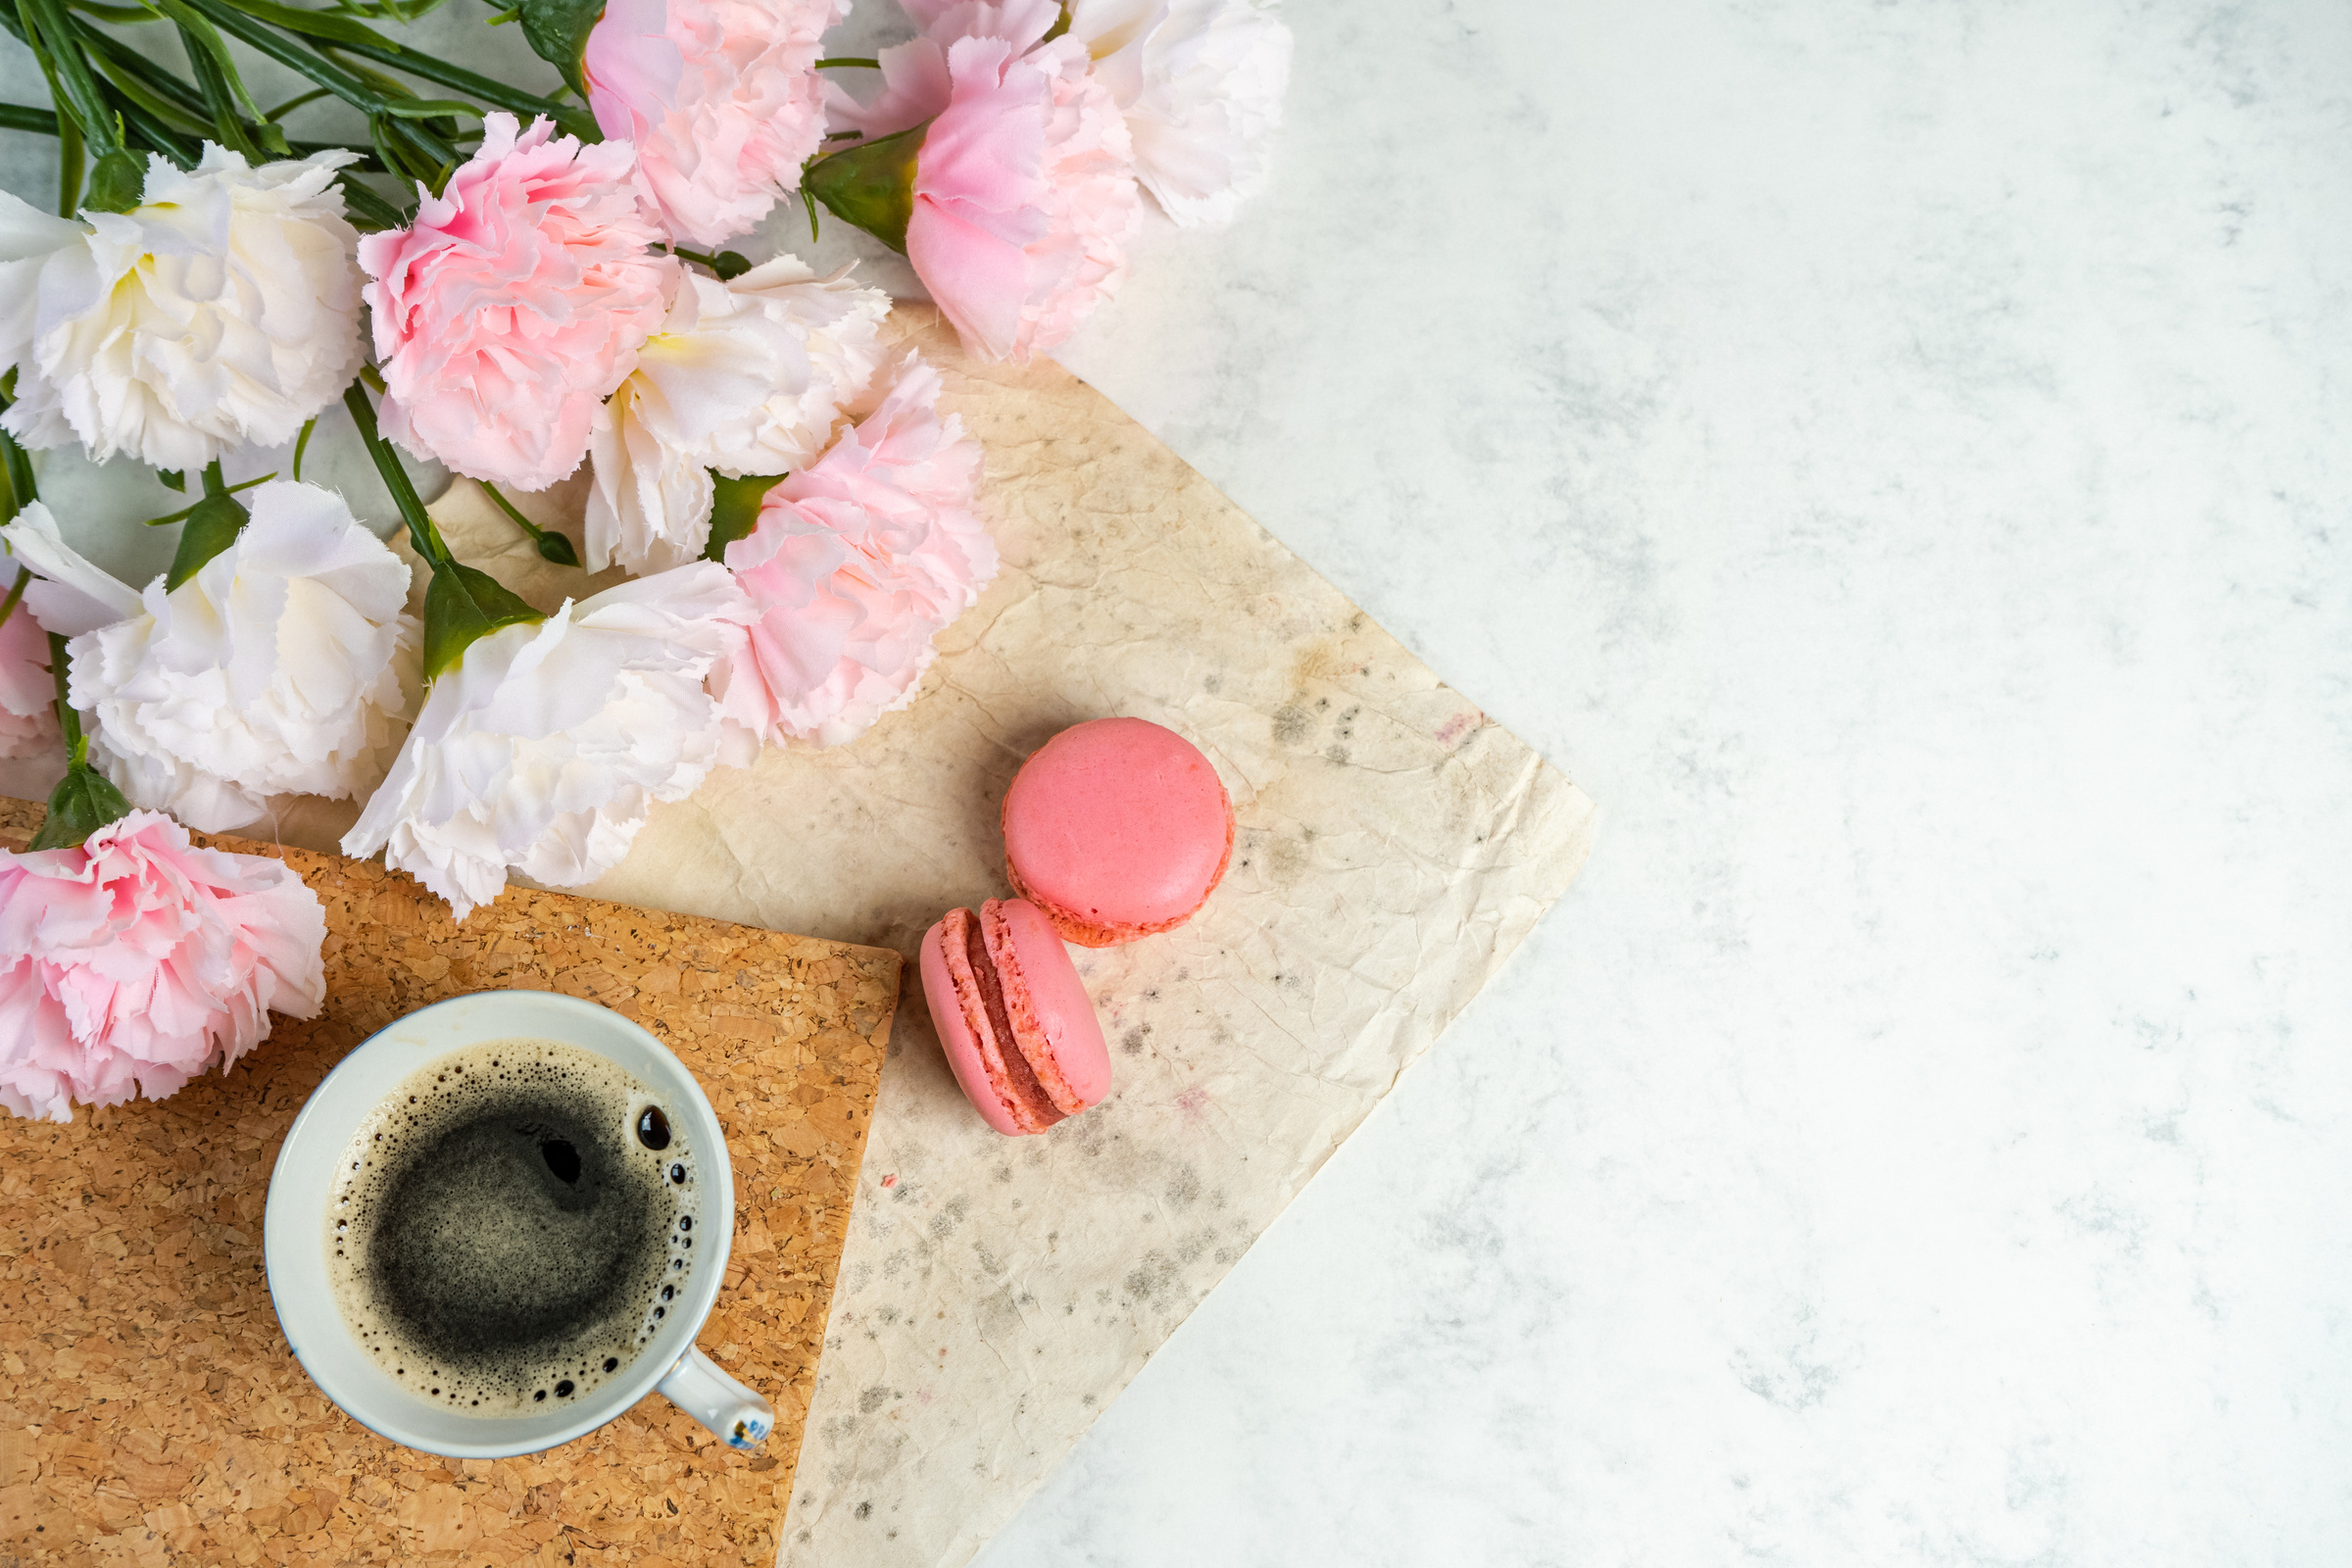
(130, 964)
(859, 562)
(1024, 190)
(515, 304)
(721, 99)
(28, 691)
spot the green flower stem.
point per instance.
(462, 604)
(848, 63)
(330, 28)
(85, 800)
(8, 606)
(294, 103)
(727, 265)
(182, 515)
(77, 745)
(69, 167)
(50, 32)
(552, 546)
(424, 537)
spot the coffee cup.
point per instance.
(296, 1243)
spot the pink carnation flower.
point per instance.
(721, 99)
(515, 304)
(1024, 190)
(859, 562)
(28, 721)
(131, 963)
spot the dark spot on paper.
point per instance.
(1132, 1042)
(865, 1510)
(1336, 755)
(1291, 725)
(873, 1399)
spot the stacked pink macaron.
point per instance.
(1113, 830)
(1117, 829)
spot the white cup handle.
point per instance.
(704, 1389)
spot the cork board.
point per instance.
(150, 1412)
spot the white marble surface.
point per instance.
(1897, 457)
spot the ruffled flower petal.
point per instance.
(720, 98)
(1200, 84)
(859, 561)
(28, 691)
(744, 378)
(132, 964)
(220, 312)
(287, 665)
(516, 303)
(1024, 191)
(544, 751)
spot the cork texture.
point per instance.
(150, 1411)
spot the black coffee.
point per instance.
(512, 1226)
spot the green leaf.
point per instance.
(51, 33)
(213, 525)
(871, 184)
(735, 510)
(16, 468)
(558, 33)
(116, 184)
(222, 87)
(83, 803)
(430, 108)
(357, 39)
(300, 442)
(43, 123)
(462, 607)
(171, 479)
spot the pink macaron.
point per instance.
(1016, 1024)
(1117, 828)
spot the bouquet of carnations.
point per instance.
(517, 285)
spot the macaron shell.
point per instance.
(1117, 828)
(959, 1016)
(1053, 1018)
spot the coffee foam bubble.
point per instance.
(501, 1239)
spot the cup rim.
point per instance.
(311, 1124)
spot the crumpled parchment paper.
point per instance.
(1394, 847)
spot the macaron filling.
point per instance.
(980, 992)
(1024, 1027)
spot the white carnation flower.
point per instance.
(746, 378)
(286, 665)
(223, 311)
(1201, 82)
(546, 748)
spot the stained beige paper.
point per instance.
(1394, 847)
